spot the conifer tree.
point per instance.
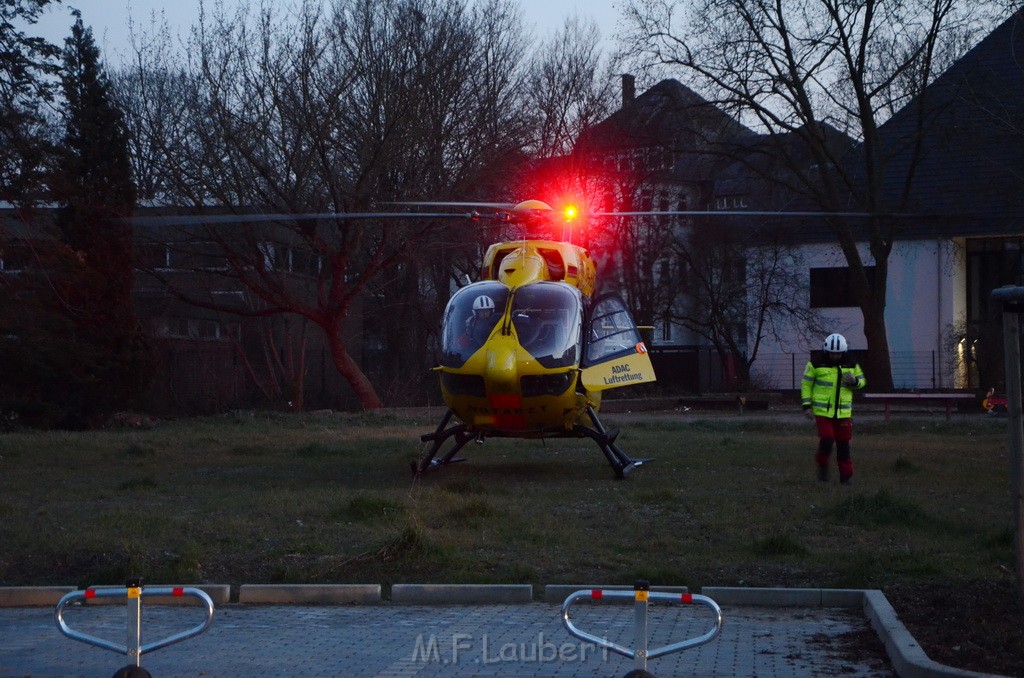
(92, 182)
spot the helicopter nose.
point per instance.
(502, 379)
(501, 373)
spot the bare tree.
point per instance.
(327, 110)
(640, 251)
(741, 283)
(570, 87)
(800, 68)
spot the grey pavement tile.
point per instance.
(426, 641)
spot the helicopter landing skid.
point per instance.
(622, 464)
(438, 439)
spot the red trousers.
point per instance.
(839, 431)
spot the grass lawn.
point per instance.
(264, 498)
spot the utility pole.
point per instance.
(1012, 299)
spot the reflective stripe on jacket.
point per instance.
(822, 391)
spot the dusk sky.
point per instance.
(109, 18)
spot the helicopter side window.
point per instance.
(612, 331)
(547, 319)
(469, 319)
(499, 256)
(553, 260)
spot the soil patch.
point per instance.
(974, 626)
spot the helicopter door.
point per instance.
(615, 354)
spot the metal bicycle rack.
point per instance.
(642, 595)
(134, 592)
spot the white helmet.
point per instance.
(835, 343)
(483, 303)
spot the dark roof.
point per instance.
(668, 116)
(766, 162)
(971, 171)
(969, 178)
(669, 113)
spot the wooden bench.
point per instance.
(948, 398)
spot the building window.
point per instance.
(197, 328)
(15, 257)
(664, 271)
(153, 256)
(269, 253)
(198, 256)
(300, 260)
(181, 256)
(646, 201)
(832, 288)
(730, 202)
(682, 270)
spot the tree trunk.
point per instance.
(349, 369)
(297, 374)
(871, 292)
(877, 365)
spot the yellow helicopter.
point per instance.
(527, 351)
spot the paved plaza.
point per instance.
(390, 641)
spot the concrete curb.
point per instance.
(33, 596)
(728, 595)
(220, 594)
(458, 594)
(908, 658)
(557, 593)
(317, 594)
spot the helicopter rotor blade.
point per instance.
(430, 203)
(744, 213)
(526, 207)
(209, 219)
(503, 212)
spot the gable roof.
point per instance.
(971, 168)
(668, 116)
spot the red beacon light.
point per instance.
(570, 212)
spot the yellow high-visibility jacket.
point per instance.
(822, 389)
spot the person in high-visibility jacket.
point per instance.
(826, 395)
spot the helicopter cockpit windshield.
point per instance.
(547, 318)
(470, 318)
